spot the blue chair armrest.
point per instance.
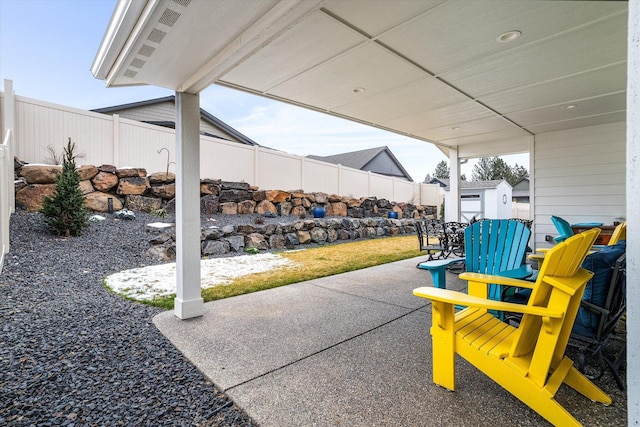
(438, 263)
(519, 273)
(437, 268)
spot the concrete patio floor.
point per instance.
(351, 350)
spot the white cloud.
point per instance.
(302, 132)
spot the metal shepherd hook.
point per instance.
(166, 175)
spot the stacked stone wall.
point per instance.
(109, 188)
(216, 241)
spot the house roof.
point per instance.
(361, 158)
(485, 89)
(204, 115)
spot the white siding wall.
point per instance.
(579, 176)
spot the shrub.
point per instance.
(64, 212)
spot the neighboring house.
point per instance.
(162, 112)
(378, 160)
(520, 192)
(482, 199)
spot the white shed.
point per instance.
(482, 199)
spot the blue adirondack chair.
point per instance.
(492, 246)
(563, 227)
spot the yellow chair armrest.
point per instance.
(536, 257)
(455, 298)
(493, 279)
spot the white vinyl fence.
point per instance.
(6, 194)
(43, 127)
(521, 210)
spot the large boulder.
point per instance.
(99, 201)
(214, 247)
(162, 178)
(108, 168)
(209, 204)
(246, 207)
(40, 174)
(266, 206)
(131, 173)
(255, 240)
(136, 202)
(337, 209)
(277, 196)
(234, 195)
(104, 181)
(86, 172)
(229, 208)
(132, 185)
(31, 196)
(166, 192)
(231, 185)
(86, 187)
(322, 198)
(210, 186)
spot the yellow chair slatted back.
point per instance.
(620, 233)
(561, 269)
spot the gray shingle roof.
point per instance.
(468, 185)
(204, 115)
(360, 159)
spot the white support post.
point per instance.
(188, 302)
(633, 207)
(452, 207)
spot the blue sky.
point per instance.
(47, 48)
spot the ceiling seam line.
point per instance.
(440, 79)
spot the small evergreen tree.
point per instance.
(64, 212)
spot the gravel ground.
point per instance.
(71, 353)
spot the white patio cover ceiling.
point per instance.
(430, 69)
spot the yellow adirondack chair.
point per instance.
(528, 360)
(619, 233)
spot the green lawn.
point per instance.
(314, 263)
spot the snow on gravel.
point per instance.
(148, 283)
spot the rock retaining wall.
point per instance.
(216, 241)
(107, 187)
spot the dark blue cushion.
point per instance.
(601, 263)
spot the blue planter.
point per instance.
(318, 212)
(392, 214)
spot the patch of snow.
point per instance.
(159, 225)
(148, 283)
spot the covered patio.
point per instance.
(353, 350)
(555, 79)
